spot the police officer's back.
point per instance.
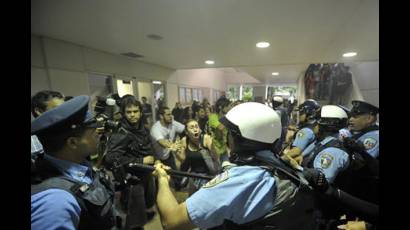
(65, 192)
(260, 192)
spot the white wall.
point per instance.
(144, 90)
(70, 83)
(367, 78)
(259, 93)
(240, 78)
(39, 75)
(39, 80)
(171, 94)
(36, 52)
(124, 88)
(206, 93)
(208, 78)
(64, 66)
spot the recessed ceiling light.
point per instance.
(275, 73)
(262, 44)
(156, 82)
(209, 62)
(350, 54)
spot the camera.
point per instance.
(104, 110)
(103, 104)
(103, 121)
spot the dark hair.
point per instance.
(127, 96)
(55, 142)
(144, 98)
(162, 109)
(197, 111)
(221, 103)
(67, 98)
(128, 101)
(185, 113)
(40, 99)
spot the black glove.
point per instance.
(132, 179)
(316, 179)
(352, 145)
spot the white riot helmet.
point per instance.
(254, 126)
(277, 101)
(332, 118)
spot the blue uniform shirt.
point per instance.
(330, 160)
(56, 208)
(309, 149)
(240, 194)
(304, 137)
(370, 142)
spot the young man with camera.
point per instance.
(131, 143)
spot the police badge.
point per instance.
(326, 160)
(369, 143)
(218, 179)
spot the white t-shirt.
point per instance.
(159, 132)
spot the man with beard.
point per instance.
(131, 144)
(164, 133)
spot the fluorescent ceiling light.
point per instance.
(262, 44)
(156, 82)
(209, 62)
(275, 73)
(350, 54)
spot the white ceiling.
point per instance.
(299, 31)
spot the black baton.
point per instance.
(148, 169)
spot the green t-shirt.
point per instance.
(219, 138)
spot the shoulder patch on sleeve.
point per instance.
(300, 134)
(369, 143)
(326, 160)
(217, 180)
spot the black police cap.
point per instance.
(70, 115)
(361, 107)
(347, 110)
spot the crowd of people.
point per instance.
(265, 172)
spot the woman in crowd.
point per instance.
(197, 154)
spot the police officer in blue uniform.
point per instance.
(363, 138)
(65, 191)
(258, 193)
(363, 127)
(328, 155)
(306, 134)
